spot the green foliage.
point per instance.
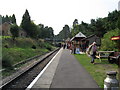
(32, 30)
(48, 46)
(26, 22)
(20, 54)
(13, 19)
(107, 43)
(7, 61)
(25, 42)
(98, 26)
(14, 30)
(45, 32)
(21, 49)
(118, 22)
(35, 31)
(5, 37)
(75, 22)
(7, 42)
(64, 33)
(9, 19)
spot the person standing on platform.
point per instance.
(91, 51)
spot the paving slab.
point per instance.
(65, 72)
(46, 78)
(71, 74)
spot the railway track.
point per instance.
(24, 79)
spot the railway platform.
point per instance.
(64, 71)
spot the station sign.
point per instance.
(115, 38)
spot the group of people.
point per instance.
(90, 51)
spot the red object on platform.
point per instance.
(115, 38)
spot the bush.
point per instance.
(107, 43)
(48, 46)
(33, 47)
(7, 61)
(25, 42)
(6, 46)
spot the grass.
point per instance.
(97, 71)
(21, 49)
(19, 54)
(5, 37)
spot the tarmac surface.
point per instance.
(65, 72)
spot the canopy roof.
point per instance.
(79, 35)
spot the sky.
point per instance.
(57, 13)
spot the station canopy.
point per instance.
(78, 36)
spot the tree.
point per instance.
(7, 19)
(75, 22)
(14, 31)
(51, 32)
(13, 19)
(75, 27)
(64, 33)
(118, 22)
(26, 22)
(41, 32)
(107, 43)
(45, 32)
(100, 30)
(29, 26)
(66, 30)
(33, 32)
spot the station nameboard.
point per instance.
(115, 38)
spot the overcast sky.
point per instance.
(57, 13)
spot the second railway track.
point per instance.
(24, 79)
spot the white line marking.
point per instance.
(40, 74)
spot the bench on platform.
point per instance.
(114, 58)
(103, 54)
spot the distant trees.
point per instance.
(13, 19)
(45, 32)
(64, 33)
(98, 26)
(75, 22)
(9, 19)
(26, 23)
(14, 31)
(104, 28)
(14, 28)
(33, 30)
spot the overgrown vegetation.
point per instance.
(7, 61)
(15, 51)
(97, 71)
(107, 43)
(25, 41)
